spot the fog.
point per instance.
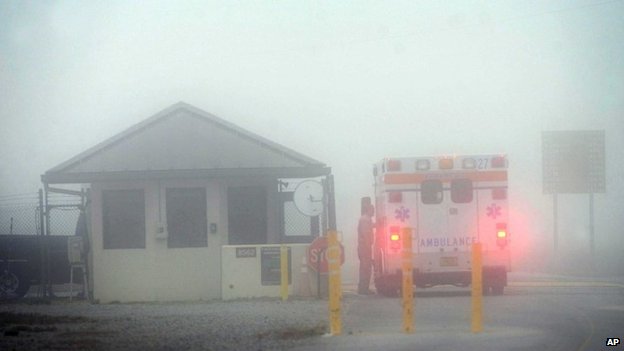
(347, 83)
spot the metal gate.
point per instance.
(34, 233)
(63, 211)
(298, 225)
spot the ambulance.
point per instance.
(449, 202)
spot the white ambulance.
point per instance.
(450, 202)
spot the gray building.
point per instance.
(170, 193)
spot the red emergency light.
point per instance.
(501, 234)
(395, 238)
(499, 162)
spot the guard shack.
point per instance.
(187, 206)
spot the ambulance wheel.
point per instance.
(498, 289)
(388, 291)
(388, 286)
(495, 278)
(486, 289)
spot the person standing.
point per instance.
(365, 248)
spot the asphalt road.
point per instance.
(537, 315)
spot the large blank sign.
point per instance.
(573, 161)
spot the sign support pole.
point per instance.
(591, 226)
(555, 222)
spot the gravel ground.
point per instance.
(265, 324)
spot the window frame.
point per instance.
(179, 237)
(112, 237)
(459, 194)
(425, 198)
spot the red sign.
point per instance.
(317, 255)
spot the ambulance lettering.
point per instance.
(448, 242)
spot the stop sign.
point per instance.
(317, 255)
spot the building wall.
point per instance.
(242, 276)
(159, 273)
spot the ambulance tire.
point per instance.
(486, 289)
(494, 280)
(388, 291)
(498, 289)
(387, 287)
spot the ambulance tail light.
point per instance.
(395, 238)
(501, 235)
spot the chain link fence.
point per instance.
(298, 224)
(20, 215)
(33, 245)
(63, 220)
(63, 213)
(297, 227)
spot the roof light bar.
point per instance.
(446, 163)
(423, 165)
(469, 163)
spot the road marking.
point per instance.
(591, 332)
(574, 284)
(569, 284)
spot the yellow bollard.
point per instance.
(407, 286)
(335, 293)
(477, 289)
(284, 272)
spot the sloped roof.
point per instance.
(183, 141)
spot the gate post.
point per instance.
(42, 214)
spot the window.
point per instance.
(123, 221)
(187, 223)
(461, 191)
(431, 192)
(499, 193)
(247, 215)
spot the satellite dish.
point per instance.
(308, 198)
